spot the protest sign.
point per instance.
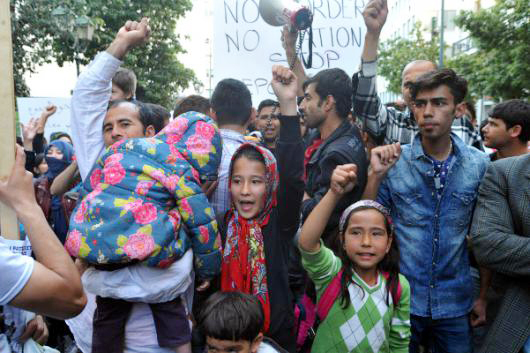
(8, 219)
(32, 107)
(246, 48)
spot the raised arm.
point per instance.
(93, 90)
(29, 131)
(343, 181)
(66, 180)
(494, 239)
(38, 141)
(289, 45)
(367, 105)
(54, 287)
(289, 151)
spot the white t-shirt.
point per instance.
(15, 271)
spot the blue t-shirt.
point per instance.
(15, 271)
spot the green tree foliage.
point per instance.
(395, 53)
(37, 40)
(500, 66)
(31, 28)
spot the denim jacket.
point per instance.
(432, 232)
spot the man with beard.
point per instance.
(335, 141)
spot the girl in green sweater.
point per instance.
(372, 309)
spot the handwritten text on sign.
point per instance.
(245, 47)
(32, 107)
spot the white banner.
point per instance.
(245, 47)
(32, 107)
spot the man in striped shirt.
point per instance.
(384, 122)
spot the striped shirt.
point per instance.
(390, 124)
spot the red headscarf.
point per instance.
(244, 268)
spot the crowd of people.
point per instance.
(322, 221)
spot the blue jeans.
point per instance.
(441, 336)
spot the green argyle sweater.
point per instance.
(368, 324)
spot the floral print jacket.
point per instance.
(143, 201)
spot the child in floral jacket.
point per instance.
(143, 203)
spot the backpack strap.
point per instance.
(397, 296)
(330, 295)
(333, 290)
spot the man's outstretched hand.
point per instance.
(131, 35)
(374, 15)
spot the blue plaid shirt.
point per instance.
(221, 198)
(391, 124)
(431, 231)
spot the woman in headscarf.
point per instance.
(58, 156)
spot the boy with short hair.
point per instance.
(508, 129)
(231, 322)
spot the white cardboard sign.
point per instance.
(32, 107)
(246, 48)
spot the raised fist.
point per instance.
(134, 33)
(375, 15)
(343, 179)
(382, 158)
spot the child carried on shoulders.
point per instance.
(143, 204)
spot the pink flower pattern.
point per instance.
(131, 206)
(176, 130)
(143, 187)
(185, 205)
(145, 213)
(204, 129)
(171, 182)
(95, 178)
(139, 246)
(199, 144)
(204, 234)
(174, 218)
(81, 212)
(114, 158)
(73, 242)
(114, 173)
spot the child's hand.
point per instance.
(343, 179)
(285, 86)
(36, 328)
